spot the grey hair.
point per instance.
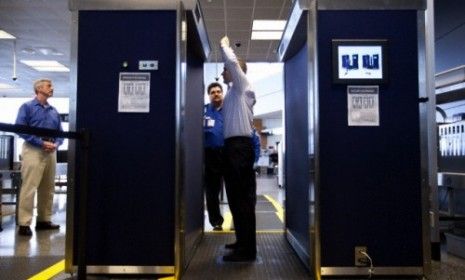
(39, 82)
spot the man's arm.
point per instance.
(231, 63)
(59, 141)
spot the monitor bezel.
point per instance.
(383, 43)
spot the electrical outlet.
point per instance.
(361, 259)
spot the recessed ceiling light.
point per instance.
(48, 51)
(6, 35)
(51, 69)
(270, 25)
(28, 51)
(266, 35)
(46, 65)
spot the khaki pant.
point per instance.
(38, 174)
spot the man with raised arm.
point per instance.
(239, 155)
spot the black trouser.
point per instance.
(241, 189)
(213, 184)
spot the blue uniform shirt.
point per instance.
(34, 114)
(256, 144)
(213, 127)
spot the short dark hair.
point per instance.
(212, 85)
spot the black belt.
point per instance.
(242, 139)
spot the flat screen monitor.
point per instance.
(359, 61)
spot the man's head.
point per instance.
(215, 93)
(227, 76)
(43, 88)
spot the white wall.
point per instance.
(275, 127)
(267, 82)
(9, 107)
(269, 88)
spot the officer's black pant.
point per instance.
(213, 184)
(241, 189)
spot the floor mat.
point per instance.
(275, 260)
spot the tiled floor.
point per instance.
(42, 243)
(22, 257)
(48, 244)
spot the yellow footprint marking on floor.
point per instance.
(279, 209)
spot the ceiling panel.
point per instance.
(41, 23)
(259, 44)
(245, 11)
(233, 14)
(255, 58)
(213, 13)
(234, 35)
(269, 3)
(215, 26)
(267, 13)
(240, 25)
(211, 4)
(262, 51)
(47, 23)
(236, 3)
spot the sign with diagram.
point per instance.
(134, 92)
(363, 105)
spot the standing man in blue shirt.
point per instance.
(38, 160)
(213, 142)
(239, 155)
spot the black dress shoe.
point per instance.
(239, 256)
(231, 246)
(217, 227)
(24, 231)
(46, 226)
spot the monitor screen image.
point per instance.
(359, 61)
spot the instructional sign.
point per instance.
(363, 105)
(134, 92)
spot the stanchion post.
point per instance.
(85, 145)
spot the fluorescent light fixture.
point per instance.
(6, 86)
(268, 25)
(46, 65)
(266, 35)
(6, 35)
(52, 69)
